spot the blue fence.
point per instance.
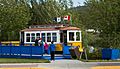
(21, 51)
(28, 51)
(66, 52)
(112, 54)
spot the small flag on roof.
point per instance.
(67, 17)
(57, 19)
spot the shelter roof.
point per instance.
(51, 29)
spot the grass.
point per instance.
(20, 60)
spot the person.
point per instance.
(0, 43)
(52, 51)
(46, 47)
(10, 44)
(36, 42)
(40, 42)
(91, 49)
(80, 48)
(83, 50)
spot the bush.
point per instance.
(96, 55)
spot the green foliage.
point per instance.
(103, 15)
(17, 60)
(19, 14)
(14, 16)
(97, 54)
(44, 11)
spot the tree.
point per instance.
(14, 16)
(103, 15)
(45, 10)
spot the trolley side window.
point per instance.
(48, 37)
(37, 35)
(28, 37)
(54, 37)
(43, 37)
(77, 36)
(71, 36)
(32, 37)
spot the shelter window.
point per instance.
(77, 36)
(37, 35)
(28, 37)
(48, 37)
(43, 37)
(71, 36)
(54, 37)
(32, 37)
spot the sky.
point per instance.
(75, 2)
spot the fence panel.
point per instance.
(5, 50)
(106, 53)
(15, 50)
(37, 50)
(21, 51)
(115, 54)
(66, 50)
(25, 49)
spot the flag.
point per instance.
(67, 17)
(57, 19)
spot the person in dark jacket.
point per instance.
(52, 50)
(36, 42)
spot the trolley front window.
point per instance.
(71, 36)
(77, 36)
(54, 37)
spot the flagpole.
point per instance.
(63, 21)
(71, 20)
